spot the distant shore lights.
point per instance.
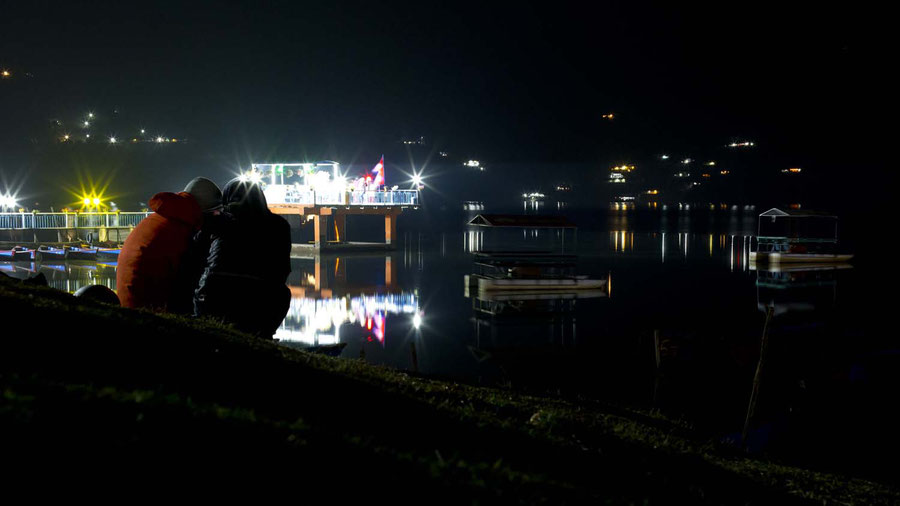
(744, 144)
(475, 164)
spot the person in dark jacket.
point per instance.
(194, 260)
(248, 264)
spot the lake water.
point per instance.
(677, 328)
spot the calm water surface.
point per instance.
(678, 328)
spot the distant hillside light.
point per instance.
(87, 124)
(112, 140)
(159, 139)
(665, 157)
(6, 73)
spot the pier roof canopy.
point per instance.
(796, 213)
(814, 225)
(521, 221)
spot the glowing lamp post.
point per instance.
(7, 202)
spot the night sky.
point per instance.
(511, 84)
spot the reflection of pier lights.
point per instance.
(318, 321)
(338, 265)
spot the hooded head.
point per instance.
(180, 206)
(207, 194)
(243, 197)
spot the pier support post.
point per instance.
(320, 223)
(390, 228)
(340, 227)
(340, 272)
(319, 274)
(390, 274)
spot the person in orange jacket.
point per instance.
(151, 266)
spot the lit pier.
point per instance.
(320, 192)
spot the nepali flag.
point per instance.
(379, 173)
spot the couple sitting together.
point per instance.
(206, 252)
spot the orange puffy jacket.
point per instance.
(150, 261)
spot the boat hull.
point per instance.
(22, 255)
(81, 254)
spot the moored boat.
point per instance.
(17, 254)
(108, 253)
(49, 254)
(74, 253)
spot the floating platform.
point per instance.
(765, 257)
(562, 284)
(308, 250)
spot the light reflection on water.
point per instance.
(680, 331)
(318, 322)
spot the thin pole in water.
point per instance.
(754, 393)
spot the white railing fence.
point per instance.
(60, 221)
(289, 195)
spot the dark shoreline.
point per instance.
(138, 386)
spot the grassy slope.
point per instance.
(134, 385)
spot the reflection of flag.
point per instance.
(379, 172)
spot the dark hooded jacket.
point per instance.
(150, 260)
(248, 264)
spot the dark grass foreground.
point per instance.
(96, 391)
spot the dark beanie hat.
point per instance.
(207, 194)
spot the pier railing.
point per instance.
(340, 198)
(63, 221)
(388, 198)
